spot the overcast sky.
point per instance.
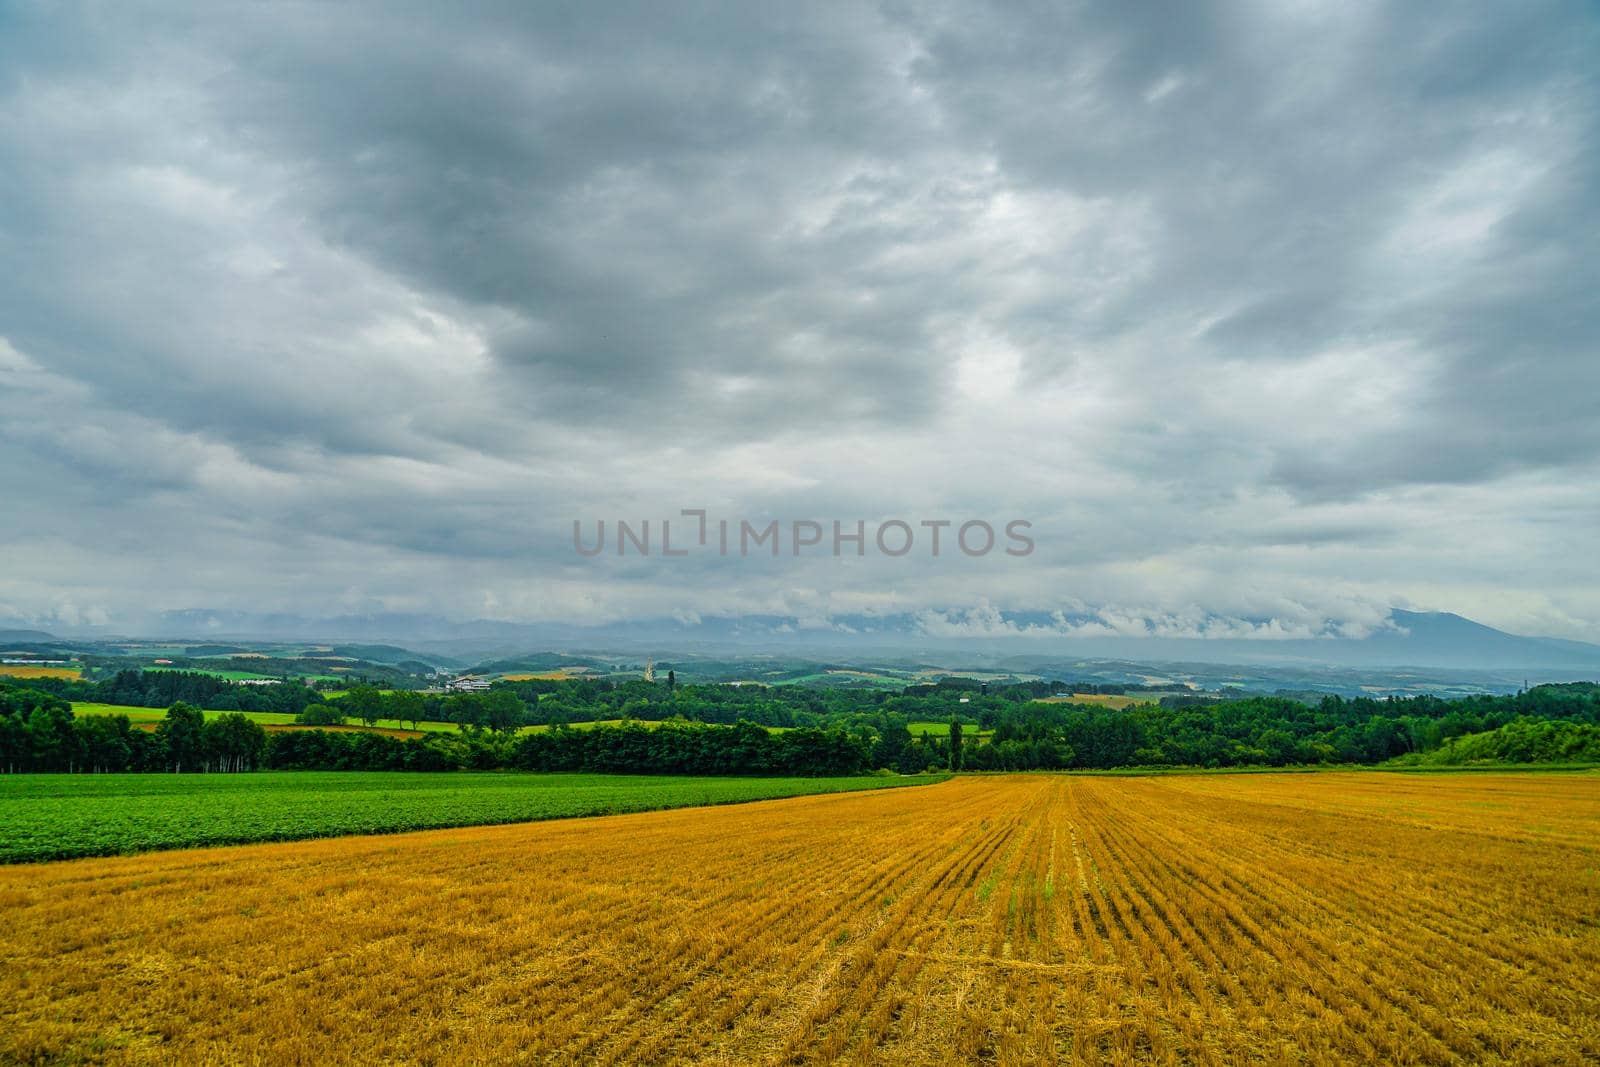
(1268, 316)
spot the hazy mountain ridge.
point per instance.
(26, 637)
(1422, 639)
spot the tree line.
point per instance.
(40, 733)
(509, 705)
(1007, 729)
(1265, 731)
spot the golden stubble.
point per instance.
(1323, 918)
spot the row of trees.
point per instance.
(865, 731)
(39, 732)
(162, 689)
(590, 700)
(677, 747)
(1262, 731)
(549, 701)
(500, 709)
(682, 747)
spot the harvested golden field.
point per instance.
(15, 670)
(1340, 917)
(558, 675)
(1115, 701)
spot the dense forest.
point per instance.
(709, 729)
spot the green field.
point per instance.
(237, 676)
(1115, 701)
(847, 680)
(542, 727)
(265, 718)
(969, 731)
(82, 708)
(60, 816)
(651, 723)
(232, 676)
(280, 718)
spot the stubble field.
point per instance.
(1280, 918)
(25, 671)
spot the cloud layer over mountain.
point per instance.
(1267, 316)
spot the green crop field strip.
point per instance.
(230, 675)
(647, 723)
(265, 718)
(139, 715)
(239, 676)
(57, 816)
(942, 729)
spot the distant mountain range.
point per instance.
(25, 637)
(1413, 639)
(1448, 640)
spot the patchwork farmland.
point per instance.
(24, 671)
(1320, 918)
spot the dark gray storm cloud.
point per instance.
(1259, 311)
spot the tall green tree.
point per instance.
(51, 737)
(320, 715)
(502, 711)
(365, 703)
(466, 710)
(106, 742)
(234, 743)
(407, 706)
(14, 749)
(894, 743)
(955, 744)
(182, 734)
